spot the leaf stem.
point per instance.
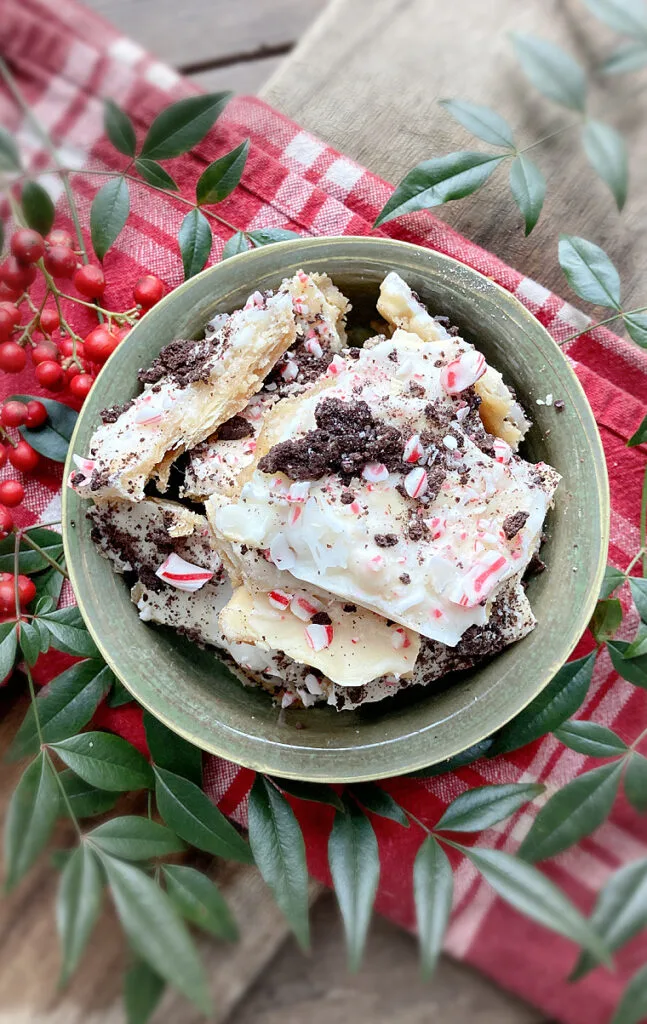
(16, 568)
(633, 561)
(51, 561)
(602, 323)
(417, 821)
(66, 799)
(638, 740)
(552, 135)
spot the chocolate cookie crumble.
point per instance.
(183, 360)
(235, 429)
(385, 540)
(512, 524)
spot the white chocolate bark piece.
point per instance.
(178, 411)
(400, 307)
(443, 516)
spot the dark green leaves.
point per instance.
(438, 181)
(170, 751)
(30, 818)
(606, 620)
(29, 642)
(199, 901)
(86, 800)
(143, 990)
(378, 801)
(77, 906)
(433, 890)
(483, 806)
(108, 214)
(279, 851)
(53, 438)
(354, 862)
(8, 646)
(317, 792)
(64, 706)
(613, 577)
(190, 813)
(220, 178)
(591, 739)
(481, 121)
(635, 782)
(155, 930)
(561, 699)
(528, 187)
(29, 560)
(552, 71)
(105, 761)
(607, 153)
(195, 239)
(119, 128)
(589, 271)
(636, 326)
(9, 158)
(573, 812)
(638, 587)
(182, 125)
(633, 1005)
(134, 838)
(465, 757)
(37, 207)
(68, 632)
(620, 912)
(237, 243)
(155, 175)
(267, 236)
(634, 670)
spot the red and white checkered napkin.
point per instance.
(65, 58)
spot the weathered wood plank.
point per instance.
(199, 31)
(368, 76)
(245, 78)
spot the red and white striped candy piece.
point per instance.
(182, 574)
(481, 580)
(281, 553)
(502, 450)
(255, 301)
(437, 526)
(318, 637)
(375, 472)
(415, 482)
(290, 371)
(279, 599)
(83, 466)
(413, 449)
(337, 366)
(295, 514)
(461, 373)
(150, 408)
(400, 638)
(313, 347)
(298, 492)
(305, 607)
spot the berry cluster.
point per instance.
(26, 592)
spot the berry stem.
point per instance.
(127, 315)
(16, 570)
(603, 323)
(36, 547)
(53, 289)
(5, 436)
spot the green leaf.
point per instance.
(630, 57)
(31, 561)
(528, 890)
(378, 801)
(638, 587)
(194, 238)
(589, 271)
(607, 153)
(613, 578)
(634, 670)
(69, 633)
(557, 702)
(29, 642)
(573, 812)
(591, 739)
(86, 800)
(182, 125)
(483, 806)
(60, 418)
(483, 122)
(633, 1004)
(37, 207)
(190, 813)
(143, 990)
(64, 707)
(433, 891)
(638, 645)
(635, 782)
(220, 178)
(154, 174)
(619, 914)
(9, 158)
(108, 214)
(105, 761)
(607, 619)
(237, 243)
(318, 793)
(636, 327)
(135, 838)
(170, 751)
(468, 756)
(279, 851)
(528, 187)
(200, 901)
(551, 70)
(78, 904)
(267, 236)
(119, 695)
(32, 812)
(629, 17)
(8, 647)
(156, 931)
(354, 861)
(119, 128)
(438, 181)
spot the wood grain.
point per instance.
(367, 79)
(244, 77)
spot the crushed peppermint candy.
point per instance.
(84, 467)
(312, 684)
(182, 574)
(304, 608)
(400, 638)
(279, 599)
(290, 371)
(502, 450)
(337, 366)
(281, 553)
(413, 449)
(450, 442)
(416, 482)
(298, 491)
(375, 472)
(318, 637)
(461, 373)
(481, 580)
(313, 347)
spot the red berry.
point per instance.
(12, 310)
(36, 414)
(6, 522)
(9, 318)
(100, 343)
(23, 457)
(8, 294)
(44, 350)
(12, 357)
(90, 281)
(148, 291)
(7, 594)
(17, 275)
(3, 455)
(60, 237)
(66, 348)
(27, 245)
(80, 386)
(13, 414)
(60, 261)
(49, 321)
(11, 493)
(26, 590)
(50, 375)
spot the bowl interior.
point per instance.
(194, 693)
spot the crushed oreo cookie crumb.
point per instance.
(512, 524)
(112, 414)
(385, 540)
(321, 619)
(185, 361)
(235, 429)
(405, 578)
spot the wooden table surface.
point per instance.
(366, 77)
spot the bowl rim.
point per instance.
(218, 745)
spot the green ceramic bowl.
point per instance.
(194, 693)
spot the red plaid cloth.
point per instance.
(65, 58)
